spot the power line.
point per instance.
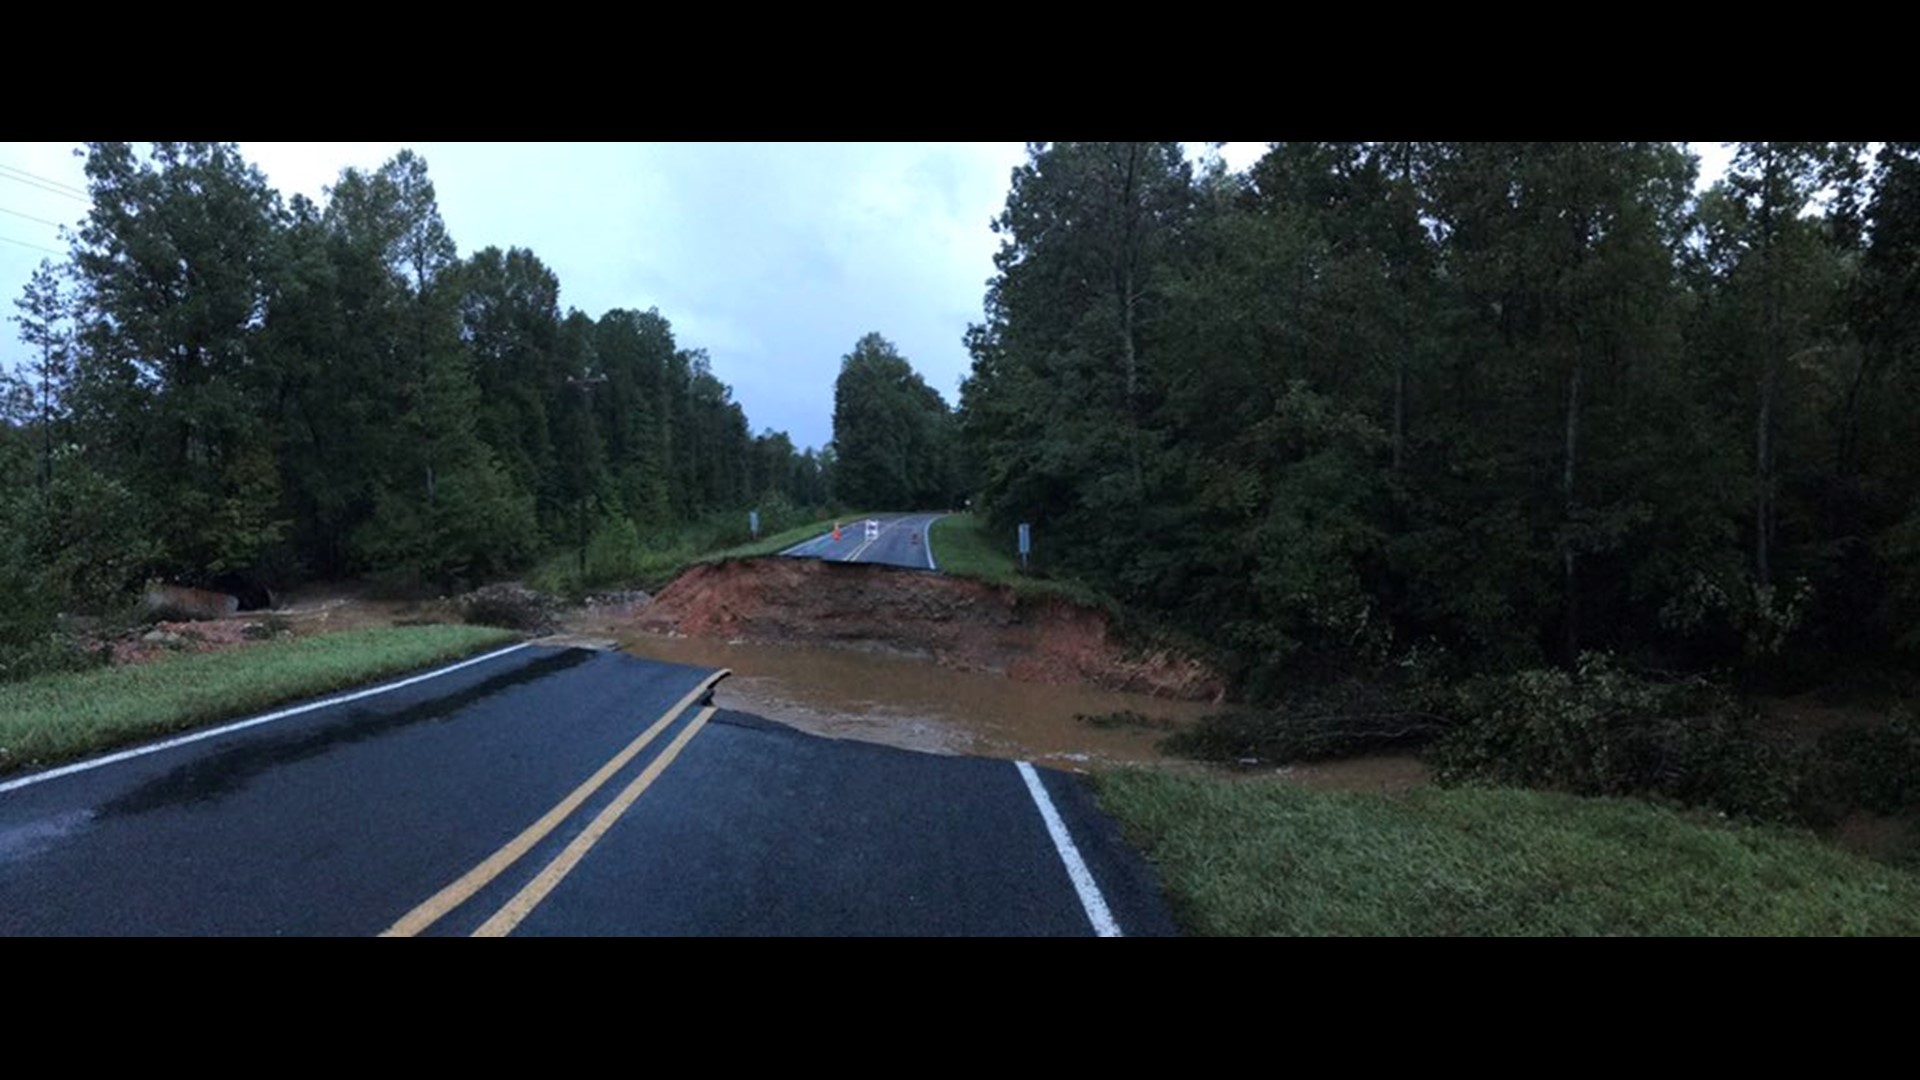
(42, 187)
(43, 179)
(36, 247)
(29, 217)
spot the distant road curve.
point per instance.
(902, 540)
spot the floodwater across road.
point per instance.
(912, 703)
(559, 791)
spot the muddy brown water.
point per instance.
(910, 703)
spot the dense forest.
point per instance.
(1478, 406)
(227, 388)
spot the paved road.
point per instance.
(558, 791)
(900, 540)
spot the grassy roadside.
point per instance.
(650, 561)
(55, 718)
(781, 541)
(1270, 858)
(964, 546)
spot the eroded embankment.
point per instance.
(956, 622)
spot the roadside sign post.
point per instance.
(1026, 544)
(753, 523)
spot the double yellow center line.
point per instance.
(529, 897)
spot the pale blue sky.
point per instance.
(775, 258)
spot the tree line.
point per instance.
(227, 385)
(1494, 403)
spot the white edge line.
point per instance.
(1083, 883)
(927, 540)
(196, 736)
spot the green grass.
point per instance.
(963, 545)
(54, 718)
(661, 554)
(1267, 857)
(781, 541)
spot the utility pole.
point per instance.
(585, 385)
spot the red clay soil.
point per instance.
(958, 623)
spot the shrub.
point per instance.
(1874, 768)
(1603, 730)
(614, 555)
(1340, 719)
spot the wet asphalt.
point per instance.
(900, 540)
(400, 811)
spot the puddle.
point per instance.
(909, 703)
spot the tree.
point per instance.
(1059, 409)
(175, 264)
(444, 511)
(510, 321)
(43, 311)
(635, 351)
(892, 432)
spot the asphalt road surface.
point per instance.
(896, 539)
(550, 791)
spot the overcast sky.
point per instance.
(775, 258)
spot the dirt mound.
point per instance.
(956, 622)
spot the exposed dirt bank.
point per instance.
(958, 623)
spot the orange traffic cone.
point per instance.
(836, 530)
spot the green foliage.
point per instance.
(1877, 768)
(1762, 617)
(473, 527)
(225, 384)
(1317, 721)
(1523, 399)
(87, 539)
(967, 545)
(1604, 730)
(892, 433)
(614, 555)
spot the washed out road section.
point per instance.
(344, 819)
